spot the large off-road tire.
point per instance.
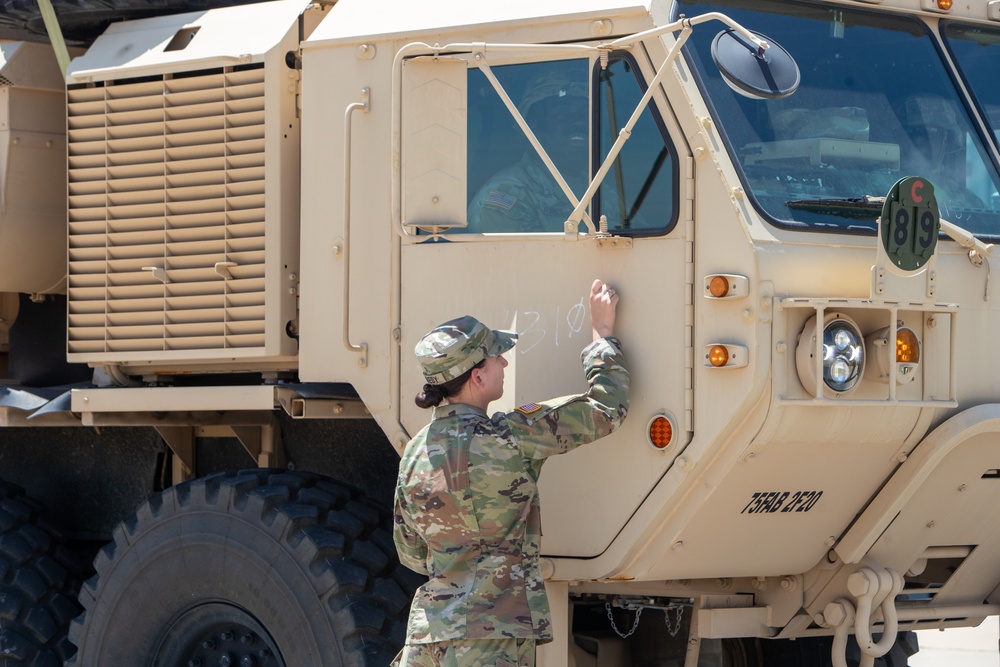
(257, 568)
(37, 591)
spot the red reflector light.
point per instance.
(661, 432)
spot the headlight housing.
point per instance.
(842, 351)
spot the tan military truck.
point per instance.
(223, 232)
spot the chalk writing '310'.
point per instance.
(534, 326)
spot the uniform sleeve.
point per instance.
(562, 424)
(504, 205)
(504, 208)
(410, 546)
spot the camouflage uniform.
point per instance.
(467, 512)
(479, 652)
(522, 198)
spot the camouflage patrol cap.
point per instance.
(457, 345)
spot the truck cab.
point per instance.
(796, 201)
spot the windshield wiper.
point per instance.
(865, 207)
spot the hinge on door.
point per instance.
(295, 86)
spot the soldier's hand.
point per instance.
(603, 302)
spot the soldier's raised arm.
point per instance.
(559, 425)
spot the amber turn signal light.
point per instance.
(907, 347)
(878, 346)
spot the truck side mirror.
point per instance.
(753, 71)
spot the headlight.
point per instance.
(842, 350)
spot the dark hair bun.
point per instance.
(429, 397)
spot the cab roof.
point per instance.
(352, 20)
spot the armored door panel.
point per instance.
(514, 265)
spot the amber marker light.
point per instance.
(726, 355)
(726, 286)
(718, 286)
(907, 347)
(944, 4)
(718, 355)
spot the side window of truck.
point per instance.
(639, 194)
(576, 114)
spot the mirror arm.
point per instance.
(966, 239)
(686, 23)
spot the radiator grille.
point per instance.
(166, 215)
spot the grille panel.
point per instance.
(167, 216)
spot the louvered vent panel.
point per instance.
(166, 215)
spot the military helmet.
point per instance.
(457, 345)
(555, 81)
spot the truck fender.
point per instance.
(940, 445)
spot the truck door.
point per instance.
(503, 253)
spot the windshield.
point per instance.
(977, 52)
(875, 104)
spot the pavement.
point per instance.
(959, 647)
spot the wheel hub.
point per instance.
(217, 635)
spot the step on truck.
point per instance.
(223, 232)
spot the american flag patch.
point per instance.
(529, 408)
(500, 200)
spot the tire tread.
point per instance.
(336, 535)
(37, 591)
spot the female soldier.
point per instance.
(467, 510)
